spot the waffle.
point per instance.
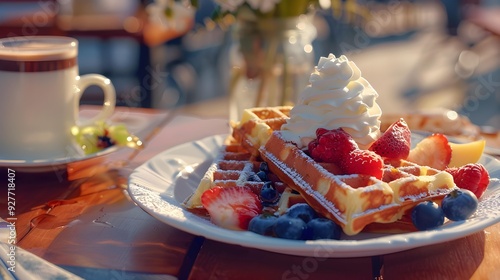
(289, 197)
(257, 124)
(354, 201)
(231, 167)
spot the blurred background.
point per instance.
(418, 55)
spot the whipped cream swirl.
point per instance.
(337, 97)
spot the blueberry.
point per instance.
(268, 194)
(104, 142)
(427, 215)
(321, 228)
(302, 211)
(289, 228)
(254, 178)
(263, 176)
(459, 204)
(264, 167)
(262, 224)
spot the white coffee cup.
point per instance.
(40, 91)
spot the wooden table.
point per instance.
(81, 218)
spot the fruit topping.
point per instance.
(288, 227)
(104, 141)
(302, 211)
(262, 176)
(320, 131)
(94, 138)
(395, 143)
(232, 207)
(363, 162)
(331, 145)
(337, 148)
(427, 215)
(254, 178)
(433, 151)
(459, 204)
(472, 176)
(263, 224)
(464, 153)
(268, 194)
(119, 134)
(321, 228)
(264, 167)
(299, 222)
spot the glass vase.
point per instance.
(270, 62)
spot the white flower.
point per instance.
(176, 15)
(263, 5)
(172, 14)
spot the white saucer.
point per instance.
(45, 165)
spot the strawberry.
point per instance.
(363, 162)
(395, 142)
(231, 207)
(320, 131)
(331, 145)
(433, 151)
(473, 177)
(311, 147)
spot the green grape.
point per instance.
(86, 137)
(89, 144)
(119, 134)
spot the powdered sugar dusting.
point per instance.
(299, 181)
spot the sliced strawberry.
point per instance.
(395, 142)
(433, 151)
(232, 207)
(331, 145)
(363, 162)
(473, 177)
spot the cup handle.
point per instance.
(105, 84)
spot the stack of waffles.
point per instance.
(232, 166)
(239, 158)
(355, 202)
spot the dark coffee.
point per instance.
(35, 54)
(36, 66)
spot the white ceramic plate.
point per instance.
(160, 185)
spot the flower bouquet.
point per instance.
(271, 52)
